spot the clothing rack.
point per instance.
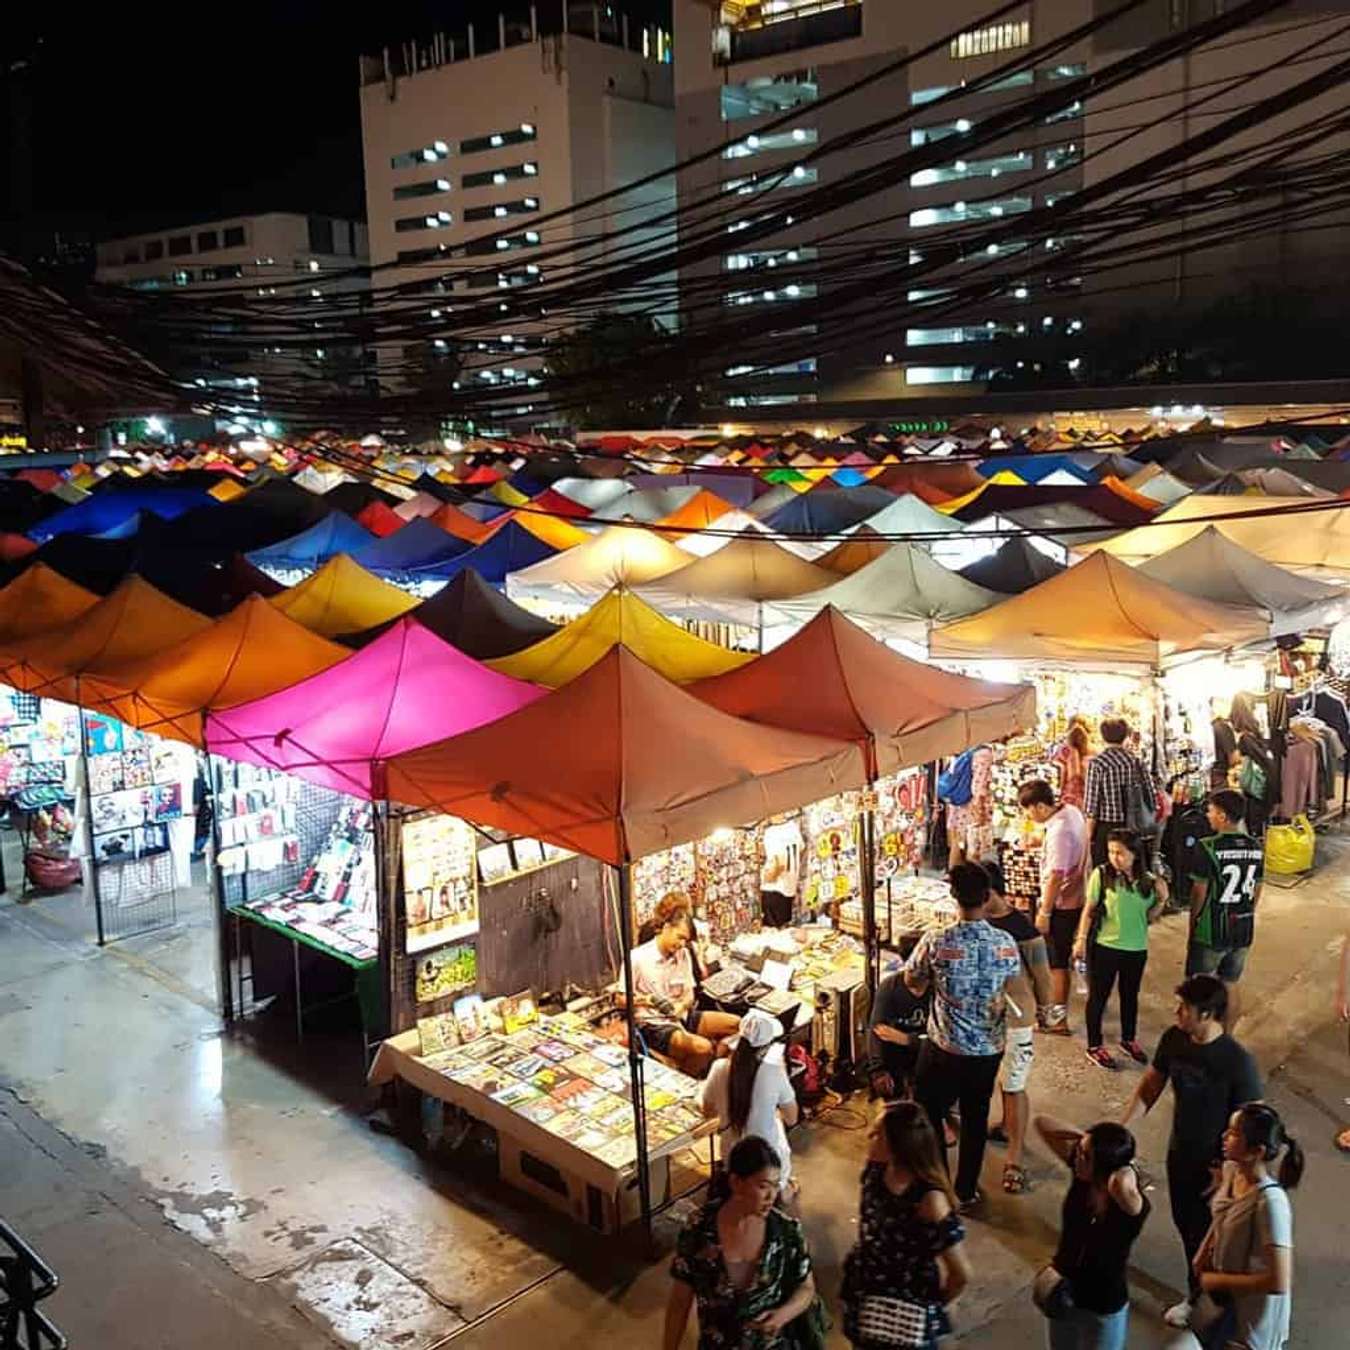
(1306, 701)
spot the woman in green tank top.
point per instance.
(1121, 901)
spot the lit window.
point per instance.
(431, 188)
(427, 154)
(771, 294)
(440, 221)
(769, 257)
(496, 177)
(998, 37)
(779, 140)
(769, 400)
(806, 366)
(939, 131)
(1062, 156)
(994, 167)
(1075, 70)
(939, 374)
(942, 337)
(962, 212)
(515, 136)
(798, 176)
(1065, 114)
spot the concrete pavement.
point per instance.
(140, 1147)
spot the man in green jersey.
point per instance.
(1225, 888)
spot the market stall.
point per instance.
(341, 597)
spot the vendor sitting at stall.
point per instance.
(666, 1012)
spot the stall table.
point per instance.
(366, 973)
(577, 1154)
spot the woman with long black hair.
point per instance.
(1121, 901)
(1246, 1263)
(750, 1094)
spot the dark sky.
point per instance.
(144, 115)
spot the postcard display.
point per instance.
(141, 823)
(39, 743)
(299, 858)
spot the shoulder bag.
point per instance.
(893, 1321)
(1141, 802)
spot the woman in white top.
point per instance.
(750, 1094)
(1246, 1263)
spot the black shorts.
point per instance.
(659, 1035)
(1063, 931)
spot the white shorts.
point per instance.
(1017, 1057)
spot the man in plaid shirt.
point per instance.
(1110, 776)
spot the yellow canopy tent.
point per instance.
(251, 652)
(1102, 611)
(620, 617)
(342, 597)
(40, 598)
(133, 622)
(556, 531)
(227, 489)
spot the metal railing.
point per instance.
(25, 1280)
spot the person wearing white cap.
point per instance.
(750, 1093)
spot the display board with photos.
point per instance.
(39, 742)
(500, 860)
(440, 881)
(830, 867)
(136, 789)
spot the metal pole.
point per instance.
(867, 871)
(225, 960)
(386, 893)
(93, 853)
(635, 1073)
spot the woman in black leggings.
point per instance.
(1122, 899)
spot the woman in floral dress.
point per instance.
(744, 1262)
(910, 1260)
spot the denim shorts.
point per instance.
(1227, 963)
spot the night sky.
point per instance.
(149, 115)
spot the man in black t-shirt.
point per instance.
(1211, 1076)
(899, 1019)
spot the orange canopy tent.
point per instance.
(698, 513)
(133, 621)
(621, 763)
(464, 526)
(342, 597)
(251, 652)
(40, 598)
(619, 618)
(1101, 611)
(863, 546)
(901, 712)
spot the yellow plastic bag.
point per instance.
(1289, 848)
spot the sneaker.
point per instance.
(1135, 1051)
(1101, 1057)
(970, 1204)
(1178, 1315)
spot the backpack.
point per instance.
(1141, 802)
(1252, 779)
(955, 785)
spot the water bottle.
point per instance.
(1080, 971)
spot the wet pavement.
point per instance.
(158, 1161)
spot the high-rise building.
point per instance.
(474, 137)
(741, 65)
(301, 262)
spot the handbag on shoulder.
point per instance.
(893, 1321)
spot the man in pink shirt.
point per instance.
(1063, 858)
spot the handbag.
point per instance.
(1141, 805)
(893, 1321)
(1052, 1293)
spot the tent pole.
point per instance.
(867, 874)
(759, 607)
(89, 809)
(635, 1073)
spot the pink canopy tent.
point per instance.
(406, 689)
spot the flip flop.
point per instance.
(1015, 1179)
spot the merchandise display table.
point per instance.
(365, 969)
(905, 904)
(559, 1098)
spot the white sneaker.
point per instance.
(1178, 1315)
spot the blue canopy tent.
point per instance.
(1034, 468)
(508, 550)
(420, 551)
(828, 510)
(310, 549)
(108, 510)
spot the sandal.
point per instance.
(1015, 1179)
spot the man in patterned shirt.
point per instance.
(968, 967)
(1111, 776)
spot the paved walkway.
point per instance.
(230, 1187)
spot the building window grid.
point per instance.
(998, 37)
(430, 188)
